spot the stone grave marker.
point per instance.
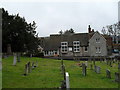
(67, 81)
(98, 69)
(29, 67)
(117, 77)
(108, 74)
(95, 68)
(84, 69)
(26, 69)
(94, 60)
(118, 65)
(110, 63)
(91, 67)
(18, 57)
(33, 65)
(15, 59)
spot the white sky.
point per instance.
(55, 15)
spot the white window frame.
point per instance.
(76, 46)
(64, 47)
(98, 49)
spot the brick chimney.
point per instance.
(89, 29)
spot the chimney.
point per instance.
(89, 29)
(92, 30)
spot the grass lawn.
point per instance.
(0, 80)
(48, 75)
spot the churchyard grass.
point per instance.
(48, 74)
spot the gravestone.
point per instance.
(67, 81)
(29, 67)
(33, 65)
(18, 57)
(91, 67)
(84, 69)
(15, 59)
(30, 55)
(110, 63)
(118, 65)
(108, 74)
(26, 69)
(98, 69)
(36, 63)
(95, 68)
(117, 77)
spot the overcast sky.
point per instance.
(51, 17)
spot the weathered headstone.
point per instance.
(18, 57)
(95, 68)
(30, 55)
(67, 81)
(110, 63)
(117, 77)
(91, 67)
(33, 65)
(26, 69)
(108, 74)
(98, 69)
(84, 69)
(36, 63)
(118, 65)
(29, 67)
(15, 59)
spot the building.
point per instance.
(77, 44)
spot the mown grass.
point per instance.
(0, 79)
(48, 74)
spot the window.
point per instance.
(97, 40)
(86, 49)
(64, 47)
(98, 50)
(76, 46)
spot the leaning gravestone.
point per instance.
(84, 69)
(117, 77)
(15, 59)
(108, 74)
